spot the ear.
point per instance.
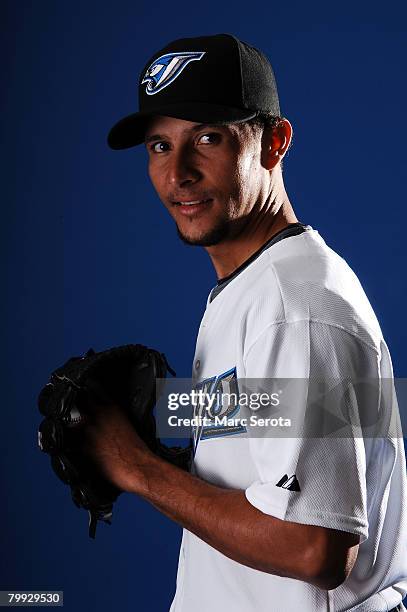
(276, 141)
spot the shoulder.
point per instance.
(302, 279)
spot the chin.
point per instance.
(206, 239)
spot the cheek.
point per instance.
(155, 177)
(229, 173)
(246, 173)
(151, 173)
(250, 171)
(247, 164)
(158, 184)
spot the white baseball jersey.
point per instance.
(298, 311)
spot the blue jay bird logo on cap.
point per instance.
(165, 69)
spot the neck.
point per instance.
(231, 253)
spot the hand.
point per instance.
(114, 446)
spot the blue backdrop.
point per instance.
(91, 258)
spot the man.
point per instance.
(271, 523)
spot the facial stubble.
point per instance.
(213, 236)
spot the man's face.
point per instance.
(210, 178)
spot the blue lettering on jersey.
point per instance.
(224, 388)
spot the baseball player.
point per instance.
(271, 522)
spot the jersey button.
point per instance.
(197, 364)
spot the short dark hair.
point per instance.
(264, 121)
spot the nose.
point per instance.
(182, 170)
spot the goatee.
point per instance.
(210, 238)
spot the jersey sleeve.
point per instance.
(319, 480)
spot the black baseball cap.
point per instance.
(207, 79)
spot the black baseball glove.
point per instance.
(125, 376)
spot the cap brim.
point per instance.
(130, 131)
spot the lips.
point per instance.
(192, 207)
(192, 202)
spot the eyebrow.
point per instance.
(196, 128)
(154, 137)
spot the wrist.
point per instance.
(145, 468)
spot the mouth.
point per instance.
(191, 202)
(191, 207)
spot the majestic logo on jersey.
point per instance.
(290, 483)
(222, 386)
(165, 69)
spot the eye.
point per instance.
(209, 138)
(159, 147)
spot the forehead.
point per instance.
(160, 124)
